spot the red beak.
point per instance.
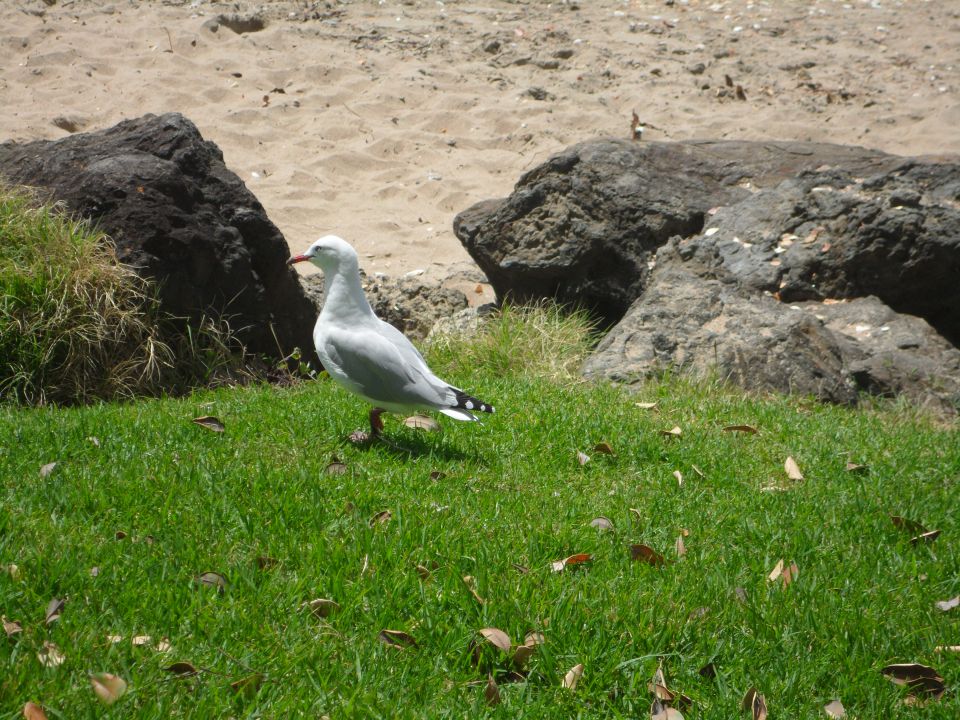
(296, 259)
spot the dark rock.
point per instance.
(686, 322)
(582, 227)
(538, 93)
(239, 24)
(181, 219)
(696, 68)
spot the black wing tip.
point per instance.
(468, 402)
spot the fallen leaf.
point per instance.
(582, 457)
(835, 709)
(265, 562)
(422, 422)
(602, 523)
(49, 655)
(793, 470)
(522, 654)
(139, 640)
(790, 573)
(950, 604)
(925, 537)
(777, 571)
(212, 579)
(46, 470)
(680, 547)
(755, 703)
(381, 518)
(335, 467)
(491, 693)
(120, 535)
(424, 573)
(181, 668)
(902, 523)
(12, 570)
(497, 638)
(856, 469)
(636, 513)
(210, 423)
(396, 639)
(247, 686)
(698, 471)
(471, 584)
(321, 607)
(108, 687)
(95, 571)
(647, 554)
(11, 627)
(93, 440)
(679, 476)
(750, 429)
(947, 648)
(54, 608)
(910, 673)
(163, 646)
(603, 448)
(577, 559)
(673, 432)
(437, 475)
(572, 677)
(646, 405)
(708, 671)
(32, 711)
(114, 639)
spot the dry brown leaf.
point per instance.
(909, 673)
(754, 703)
(471, 584)
(212, 579)
(321, 607)
(163, 646)
(835, 709)
(210, 423)
(902, 523)
(856, 468)
(11, 627)
(95, 571)
(424, 573)
(679, 476)
(577, 559)
(381, 518)
(582, 457)
(139, 640)
(750, 429)
(396, 639)
(673, 432)
(247, 686)
(792, 469)
(777, 571)
(265, 562)
(708, 671)
(422, 422)
(947, 648)
(522, 654)
(950, 604)
(54, 608)
(497, 638)
(12, 570)
(120, 535)
(114, 639)
(647, 554)
(790, 573)
(659, 711)
(680, 547)
(602, 523)
(46, 470)
(572, 677)
(336, 467)
(108, 687)
(49, 655)
(437, 475)
(925, 537)
(181, 668)
(698, 471)
(491, 693)
(646, 405)
(32, 711)
(636, 513)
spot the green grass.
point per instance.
(475, 500)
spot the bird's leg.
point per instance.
(376, 422)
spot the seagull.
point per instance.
(368, 356)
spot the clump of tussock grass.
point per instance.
(542, 340)
(76, 325)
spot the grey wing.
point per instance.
(385, 370)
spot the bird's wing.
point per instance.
(383, 369)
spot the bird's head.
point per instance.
(329, 253)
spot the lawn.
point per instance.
(142, 501)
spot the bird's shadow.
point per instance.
(409, 447)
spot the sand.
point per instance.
(380, 121)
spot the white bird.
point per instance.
(368, 356)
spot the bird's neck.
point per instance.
(344, 299)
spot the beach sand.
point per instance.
(380, 121)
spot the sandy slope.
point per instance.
(379, 121)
